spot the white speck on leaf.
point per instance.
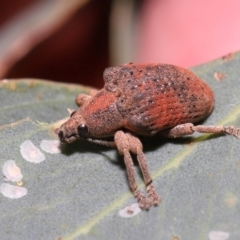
(51, 146)
(11, 171)
(31, 153)
(12, 191)
(218, 235)
(130, 211)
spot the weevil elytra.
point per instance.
(137, 100)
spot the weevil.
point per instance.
(142, 100)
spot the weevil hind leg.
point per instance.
(189, 128)
(127, 143)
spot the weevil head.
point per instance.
(99, 118)
(75, 128)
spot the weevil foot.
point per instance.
(153, 197)
(232, 131)
(142, 200)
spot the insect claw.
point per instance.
(142, 200)
(153, 197)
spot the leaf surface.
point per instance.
(78, 193)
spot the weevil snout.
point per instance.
(72, 130)
(60, 134)
(66, 136)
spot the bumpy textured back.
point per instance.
(153, 97)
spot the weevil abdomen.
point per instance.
(154, 97)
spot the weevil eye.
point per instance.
(72, 113)
(82, 129)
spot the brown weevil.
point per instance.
(142, 100)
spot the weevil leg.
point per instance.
(137, 148)
(102, 142)
(81, 99)
(93, 92)
(123, 147)
(218, 129)
(125, 143)
(178, 131)
(189, 128)
(142, 200)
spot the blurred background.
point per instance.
(75, 40)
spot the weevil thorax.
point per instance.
(101, 115)
(98, 117)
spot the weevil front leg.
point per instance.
(127, 143)
(189, 128)
(137, 148)
(83, 98)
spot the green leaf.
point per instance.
(78, 193)
(39, 100)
